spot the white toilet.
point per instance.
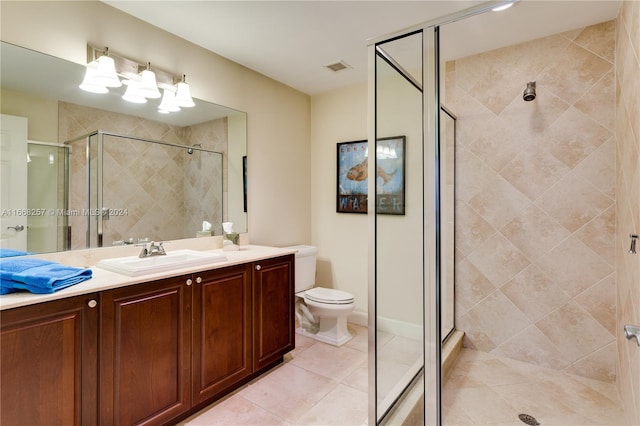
(321, 312)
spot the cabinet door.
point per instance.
(221, 330)
(48, 363)
(144, 352)
(273, 305)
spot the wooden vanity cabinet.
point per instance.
(165, 348)
(49, 363)
(145, 352)
(221, 335)
(273, 310)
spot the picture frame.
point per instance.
(244, 181)
(352, 176)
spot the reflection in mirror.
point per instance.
(169, 190)
(44, 89)
(447, 221)
(399, 273)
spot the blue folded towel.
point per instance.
(4, 252)
(38, 276)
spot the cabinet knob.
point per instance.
(198, 280)
(189, 281)
(92, 303)
(258, 267)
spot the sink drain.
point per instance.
(527, 419)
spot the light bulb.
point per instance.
(148, 86)
(107, 72)
(89, 83)
(183, 94)
(132, 95)
(168, 103)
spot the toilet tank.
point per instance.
(305, 266)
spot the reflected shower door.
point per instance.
(47, 175)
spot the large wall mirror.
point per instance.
(156, 176)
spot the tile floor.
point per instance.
(319, 384)
(483, 389)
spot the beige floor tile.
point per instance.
(483, 389)
(289, 391)
(235, 411)
(359, 378)
(484, 406)
(330, 361)
(342, 406)
(360, 340)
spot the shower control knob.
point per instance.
(258, 267)
(92, 303)
(198, 280)
(189, 281)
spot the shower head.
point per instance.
(530, 92)
(190, 150)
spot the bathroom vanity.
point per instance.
(150, 350)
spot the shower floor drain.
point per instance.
(527, 419)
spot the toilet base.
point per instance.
(332, 330)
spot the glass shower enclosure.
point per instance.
(412, 249)
(126, 190)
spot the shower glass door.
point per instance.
(404, 366)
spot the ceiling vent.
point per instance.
(338, 66)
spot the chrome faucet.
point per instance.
(153, 250)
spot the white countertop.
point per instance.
(105, 280)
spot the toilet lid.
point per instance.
(329, 295)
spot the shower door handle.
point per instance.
(631, 331)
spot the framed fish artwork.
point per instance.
(352, 176)
(352, 183)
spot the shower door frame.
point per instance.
(432, 381)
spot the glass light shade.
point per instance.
(132, 95)
(89, 83)
(503, 7)
(107, 72)
(148, 86)
(183, 95)
(168, 103)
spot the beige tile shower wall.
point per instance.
(535, 210)
(628, 201)
(156, 195)
(204, 198)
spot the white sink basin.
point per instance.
(134, 266)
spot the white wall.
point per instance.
(342, 239)
(278, 117)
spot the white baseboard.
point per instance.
(393, 326)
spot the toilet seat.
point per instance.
(328, 296)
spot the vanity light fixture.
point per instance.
(148, 86)
(132, 94)
(104, 70)
(183, 94)
(168, 103)
(89, 84)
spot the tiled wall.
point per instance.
(159, 194)
(535, 209)
(628, 201)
